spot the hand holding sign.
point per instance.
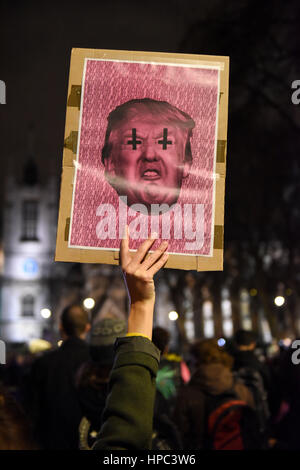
(138, 272)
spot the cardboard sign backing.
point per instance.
(100, 80)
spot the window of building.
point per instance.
(28, 306)
(208, 319)
(246, 321)
(29, 220)
(264, 327)
(226, 313)
(189, 325)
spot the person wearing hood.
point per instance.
(212, 378)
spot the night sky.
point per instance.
(261, 39)
(36, 41)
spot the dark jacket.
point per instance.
(286, 427)
(128, 414)
(92, 387)
(190, 411)
(55, 403)
(248, 359)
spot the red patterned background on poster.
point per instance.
(107, 84)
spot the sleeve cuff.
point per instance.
(135, 344)
(138, 334)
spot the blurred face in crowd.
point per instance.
(147, 162)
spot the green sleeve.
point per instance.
(128, 414)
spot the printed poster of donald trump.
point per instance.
(146, 156)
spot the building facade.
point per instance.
(29, 230)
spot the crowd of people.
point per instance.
(115, 384)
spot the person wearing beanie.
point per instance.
(244, 355)
(93, 376)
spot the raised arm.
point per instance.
(138, 270)
(128, 414)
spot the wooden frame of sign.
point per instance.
(87, 254)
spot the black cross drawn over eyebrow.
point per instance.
(165, 140)
(134, 141)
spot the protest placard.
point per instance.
(145, 146)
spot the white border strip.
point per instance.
(212, 231)
(150, 251)
(215, 66)
(77, 152)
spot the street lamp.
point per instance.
(279, 301)
(46, 313)
(173, 315)
(89, 303)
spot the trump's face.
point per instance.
(147, 162)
